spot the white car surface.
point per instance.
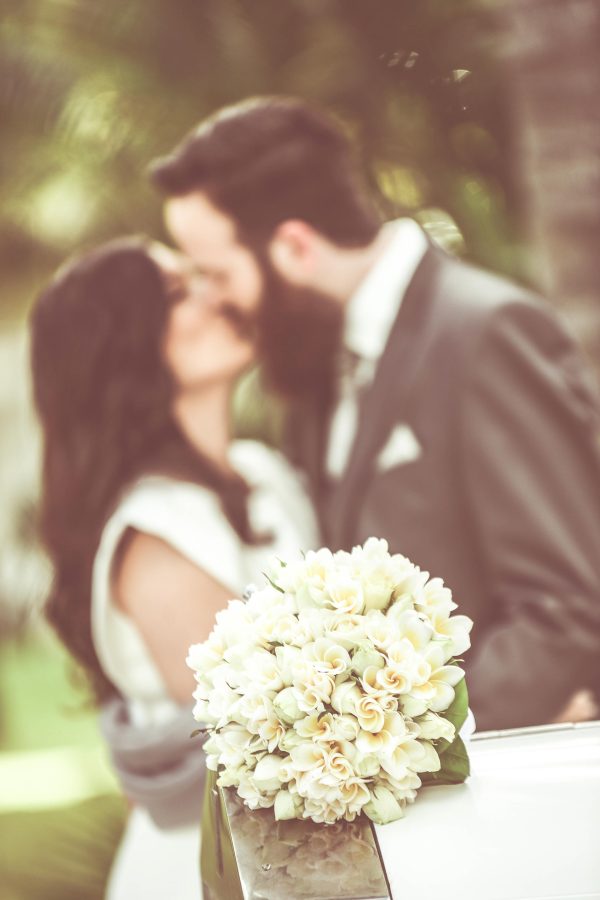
(525, 826)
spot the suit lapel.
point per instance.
(381, 405)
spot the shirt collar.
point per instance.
(373, 307)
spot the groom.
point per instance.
(431, 403)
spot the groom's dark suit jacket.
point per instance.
(503, 502)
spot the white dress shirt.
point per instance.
(370, 314)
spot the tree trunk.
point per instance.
(552, 54)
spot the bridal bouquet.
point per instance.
(335, 689)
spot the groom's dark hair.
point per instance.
(270, 159)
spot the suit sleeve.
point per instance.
(530, 464)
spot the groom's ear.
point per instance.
(293, 251)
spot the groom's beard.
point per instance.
(299, 339)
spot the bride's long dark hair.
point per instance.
(104, 399)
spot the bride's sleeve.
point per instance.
(189, 518)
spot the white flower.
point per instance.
(311, 590)
(266, 600)
(390, 679)
(254, 709)
(435, 598)
(327, 657)
(339, 765)
(410, 583)
(312, 624)
(436, 689)
(252, 795)
(211, 749)
(412, 706)
(410, 625)
(366, 655)
(290, 740)
(378, 586)
(370, 715)
(315, 727)
(383, 741)
(313, 692)
(286, 706)
(354, 793)
(344, 593)
(432, 727)
(429, 761)
(313, 784)
(268, 772)
(367, 765)
(262, 673)
(232, 621)
(287, 658)
(320, 811)
(203, 657)
(370, 685)
(347, 630)
(379, 572)
(402, 788)
(345, 727)
(309, 757)
(287, 575)
(231, 744)
(373, 549)
(456, 630)
(276, 625)
(286, 806)
(377, 629)
(383, 806)
(410, 756)
(219, 708)
(272, 731)
(231, 777)
(250, 708)
(407, 663)
(345, 697)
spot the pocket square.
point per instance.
(401, 447)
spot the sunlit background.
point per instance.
(480, 119)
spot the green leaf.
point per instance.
(198, 731)
(273, 584)
(456, 713)
(455, 765)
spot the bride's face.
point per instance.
(202, 345)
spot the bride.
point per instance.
(153, 517)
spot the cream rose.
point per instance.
(370, 715)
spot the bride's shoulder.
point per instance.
(187, 516)
(159, 498)
(260, 464)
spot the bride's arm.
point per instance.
(172, 601)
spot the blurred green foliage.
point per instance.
(60, 813)
(90, 93)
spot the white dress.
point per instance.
(152, 864)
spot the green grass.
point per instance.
(60, 854)
(41, 704)
(61, 815)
